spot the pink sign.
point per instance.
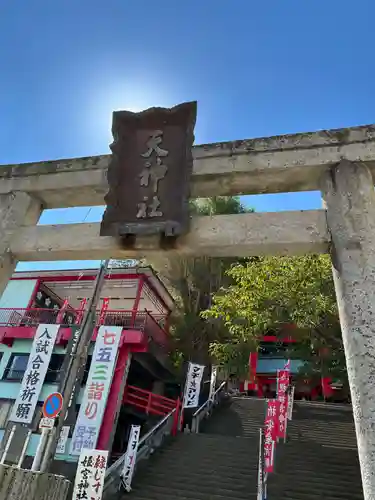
(270, 433)
(282, 385)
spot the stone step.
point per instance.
(167, 495)
(191, 490)
(209, 478)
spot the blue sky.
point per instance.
(256, 69)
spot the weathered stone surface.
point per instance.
(15, 209)
(24, 484)
(350, 201)
(222, 235)
(267, 165)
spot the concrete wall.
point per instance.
(17, 294)
(27, 485)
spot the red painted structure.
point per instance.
(152, 403)
(22, 324)
(257, 382)
(141, 329)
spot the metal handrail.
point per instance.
(206, 403)
(204, 411)
(146, 446)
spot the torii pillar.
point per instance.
(349, 196)
(16, 209)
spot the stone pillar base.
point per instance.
(27, 485)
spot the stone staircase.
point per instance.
(200, 467)
(319, 460)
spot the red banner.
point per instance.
(270, 433)
(282, 385)
(80, 312)
(103, 311)
(61, 313)
(326, 387)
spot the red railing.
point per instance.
(27, 317)
(141, 320)
(152, 403)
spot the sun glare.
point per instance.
(131, 96)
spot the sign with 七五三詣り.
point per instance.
(90, 416)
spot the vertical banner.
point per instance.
(291, 403)
(103, 311)
(33, 379)
(80, 312)
(61, 313)
(213, 382)
(270, 433)
(63, 439)
(89, 480)
(98, 383)
(326, 387)
(193, 385)
(282, 396)
(70, 416)
(130, 457)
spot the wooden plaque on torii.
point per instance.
(149, 173)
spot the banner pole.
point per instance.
(78, 358)
(260, 468)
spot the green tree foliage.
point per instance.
(269, 293)
(193, 282)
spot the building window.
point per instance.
(6, 406)
(54, 368)
(18, 362)
(16, 367)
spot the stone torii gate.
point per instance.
(340, 163)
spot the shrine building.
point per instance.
(133, 299)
